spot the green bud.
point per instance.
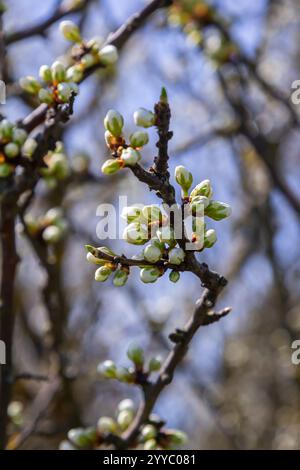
(149, 274)
(70, 31)
(155, 364)
(139, 139)
(58, 166)
(176, 437)
(11, 150)
(88, 60)
(75, 73)
(148, 432)
(106, 425)
(131, 213)
(108, 55)
(176, 256)
(64, 92)
(198, 204)
(30, 84)
(136, 355)
(202, 189)
(107, 369)
(120, 278)
(126, 404)
(218, 210)
(95, 43)
(111, 166)
(52, 234)
(46, 96)
(45, 73)
(174, 276)
(93, 260)
(165, 235)
(103, 273)
(152, 253)
(144, 118)
(78, 437)
(114, 122)
(150, 444)
(136, 234)
(58, 72)
(6, 130)
(124, 419)
(19, 136)
(125, 375)
(130, 156)
(152, 213)
(29, 147)
(210, 238)
(5, 170)
(184, 178)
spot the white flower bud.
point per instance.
(120, 278)
(151, 444)
(124, 419)
(64, 92)
(46, 96)
(152, 213)
(130, 156)
(108, 369)
(202, 189)
(148, 432)
(136, 234)
(45, 73)
(139, 139)
(52, 234)
(131, 213)
(19, 136)
(114, 122)
(152, 253)
(70, 31)
(93, 260)
(218, 210)
(11, 150)
(155, 364)
(102, 273)
(111, 166)
(176, 437)
(198, 204)
(106, 425)
(54, 215)
(30, 84)
(29, 147)
(184, 178)
(210, 238)
(174, 276)
(149, 274)
(88, 60)
(176, 256)
(75, 73)
(165, 234)
(144, 118)
(58, 72)
(5, 170)
(136, 355)
(108, 55)
(126, 404)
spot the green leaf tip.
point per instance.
(90, 249)
(164, 95)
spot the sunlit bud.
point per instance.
(108, 55)
(218, 210)
(45, 73)
(58, 166)
(120, 278)
(174, 276)
(108, 369)
(95, 43)
(64, 92)
(148, 432)
(131, 213)
(152, 213)
(88, 60)
(130, 156)
(176, 256)
(52, 234)
(125, 375)
(202, 189)
(5, 170)
(149, 274)
(144, 118)
(79, 437)
(210, 238)
(93, 260)
(136, 355)
(75, 73)
(19, 136)
(184, 178)
(70, 31)
(46, 96)
(58, 72)
(176, 437)
(66, 445)
(136, 234)
(165, 234)
(29, 147)
(126, 404)
(106, 425)
(152, 253)
(150, 444)
(11, 150)
(30, 84)
(114, 122)
(198, 204)
(6, 130)
(111, 166)
(155, 364)
(139, 139)
(124, 419)
(103, 273)
(53, 215)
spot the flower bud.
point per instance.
(174, 276)
(176, 437)
(30, 84)
(149, 274)
(6, 130)
(52, 234)
(124, 419)
(139, 139)
(108, 55)
(144, 118)
(111, 166)
(29, 147)
(184, 178)
(125, 375)
(70, 31)
(131, 213)
(202, 189)
(45, 73)
(126, 404)
(150, 444)
(64, 92)
(58, 72)
(120, 278)
(93, 260)
(5, 170)
(136, 234)
(210, 238)
(165, 235)
(19, 136)
(130, 156)
(75, 73)
(218, 210)
(149, 432)
(152, 213)
(11, 150)
(152, 253)
(136, 355)
(107, 369)
(155, 364)
(54, 215)
(106, 425)
(46, 96)
(114, 122)
(88, 60)
(102, 273)
(176, 256)
(95, 43)
(78, 437)
(198, 205)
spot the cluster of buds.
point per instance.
(50, 228)
(125, 153)
(14, 144)
(199, 203)
(56, 165)
(152, 435)
(107, 267)
(138, 373)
